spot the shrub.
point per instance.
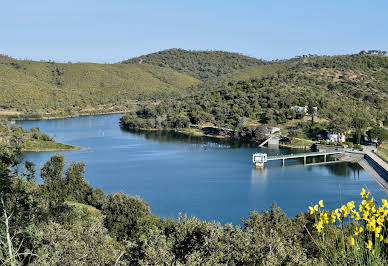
(122, 213)
(350, 144)
(358, 146)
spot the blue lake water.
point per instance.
(203, 177)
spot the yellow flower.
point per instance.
(371, 202)
(321, 203)
(380, 221)
(363, 194)
(371, 225)
(370, 245)
(316, 207)
(358, 230)
(350, 205)
(386, 240)
(351, 241)
(365, 216)
(311, 210)
(324, 218)
(319, 226)
(385, 203)
(333, 217)
(377, 231)
(353, 213)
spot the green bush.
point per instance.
(357, 146)
(350, 144)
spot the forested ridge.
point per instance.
(336, 89)
(203, 65)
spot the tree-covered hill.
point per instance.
(342, 88)
(203, 65)
(64, 89)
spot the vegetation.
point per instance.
(31, 140)
(31, 89)
(246, 91)
(348, 91)
(203, 65)
(382, 151)
(65, 221)
(380, 134)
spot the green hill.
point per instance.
(49, 88)
(203, 65)
(344, 89)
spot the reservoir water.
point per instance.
(203, 177)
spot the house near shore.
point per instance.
(302, 109)
(335, 137)
(299, 109)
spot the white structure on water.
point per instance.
(259, 159)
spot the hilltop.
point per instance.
(203, 65)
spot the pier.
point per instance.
(260, 158)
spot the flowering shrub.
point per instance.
(363, 227)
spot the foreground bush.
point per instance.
(83, 226)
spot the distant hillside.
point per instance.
(203, 65)
(344, 89)
(203, 81)
(62, 89)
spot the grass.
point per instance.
(383, 153)
(43, 145)
(192, 132)
(298, 142)
(31, 87)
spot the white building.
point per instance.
(299, 109)
(303, 109)
(335, 137)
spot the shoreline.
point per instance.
(49, 150)
(67, 116)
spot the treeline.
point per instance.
(64, 221)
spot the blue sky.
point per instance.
(110, 31)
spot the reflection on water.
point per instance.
(259, 175)
(173, 136)
(206, 177)
(344, 169)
